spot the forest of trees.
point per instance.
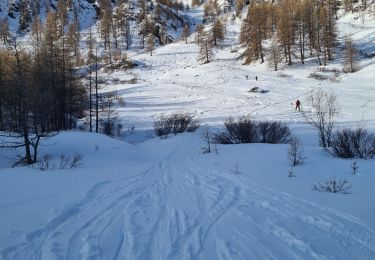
(296, 29)
(290, 31)
(42, 93)
(39, 92)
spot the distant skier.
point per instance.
(256, 78)
(298, 105)
(247, 77)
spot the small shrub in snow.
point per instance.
(45, 163)
(333, 185)
(236, 169)
(207, 136)
(121, 101)
(246, 130)
(358, 143)
(175, 123)
(295, 151)
(291, 172)
(318, 76)
(76, 161)
(354, 167)
(64, 161)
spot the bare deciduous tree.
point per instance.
(351, 53)
(295, 152)
(207, 136)
(321, 112)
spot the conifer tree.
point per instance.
(200, 30)
(185, 33)
(150, 43)
(217, 32)
(351, 63)
(205, 50)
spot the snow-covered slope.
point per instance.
(164, 199)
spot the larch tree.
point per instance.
(217, 32)
(285, 28)
(205, 50)
(185, 33)
(351, 62)
(105, 22)
(199, 32)
(275, 53)
(253, 31)
(4, 30)
(150, 43)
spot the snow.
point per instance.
(177, 203)
(141, 197)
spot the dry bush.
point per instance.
(65, 162)
(273, 132)
(333, 185)
(358, 143)
(45, 163)
(246, 130)
(76, 161)
(242, 130)
(175, 123)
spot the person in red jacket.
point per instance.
(298, 105)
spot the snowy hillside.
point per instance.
(138, 196)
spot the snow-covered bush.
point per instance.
(349, 143)
(333, 185)
(246, 130)
(175, 123)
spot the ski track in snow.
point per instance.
(181, 208)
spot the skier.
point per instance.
(298, 105)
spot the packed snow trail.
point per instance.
(184, 207)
